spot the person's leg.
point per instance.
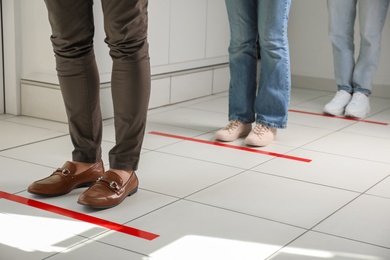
(125, 24)
(72, 34)
(243, 68)
(272, 100)
(242, 59)
(72, 39)
(273, 95)
(342, 16)
(372, 17)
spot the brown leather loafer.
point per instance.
(63, 180)
(108, 191)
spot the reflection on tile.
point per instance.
(230, 235)
(315, 246)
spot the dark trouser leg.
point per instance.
(72, 37)
(126, 24)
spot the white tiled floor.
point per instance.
(207, 201)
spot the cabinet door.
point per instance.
(218, 33)
(188, 30)
(158, 31)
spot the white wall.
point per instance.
(188, 48)
(183, 34)
(311, 52)
(177, 37)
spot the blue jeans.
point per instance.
(351, 75)
(265, 21)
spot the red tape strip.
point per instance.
(339, 117)
(247, 149)
(79, 216)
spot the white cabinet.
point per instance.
(187, 34)
(158, 31)
(185, 37)
(188, 30)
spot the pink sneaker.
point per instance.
(260, 136)
(233, 131)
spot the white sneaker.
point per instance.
(260, 136)
(359, 106)
(233, 131)
(336, 106)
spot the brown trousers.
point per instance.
(125, 25)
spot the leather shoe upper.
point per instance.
(108, 191)
(63, 180)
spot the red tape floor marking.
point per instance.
(247, 149)
(79, 216)
(339, 117)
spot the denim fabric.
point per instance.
(356, 75)
(266, 21)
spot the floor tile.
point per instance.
(40, 123)
(366, 219)
(230, 156)
(190, 118)
(353, 145)
(131, 208)
(382, 189)
(13, 135)
(219, 105)
(298, 135)
(16, 175)
(327, 169)
(318, 121)
(301, 96)
(379, 127)
(315, 246)
(193, 231)
(153, 142)
(179, 176)
(29, 233)
(280, 199)
(52, 152)
(100, 251)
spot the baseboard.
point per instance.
(43, 99)
(315, 83)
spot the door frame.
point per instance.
(2, 88)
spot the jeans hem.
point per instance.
(271, 125)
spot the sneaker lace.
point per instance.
(340, 95)
(232, 125)
(356, 98)
(260, 129)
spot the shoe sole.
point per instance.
(233, 139)
(110, 206)
(334, 112)
(359, 116)
(257, 145)
(82, 185)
